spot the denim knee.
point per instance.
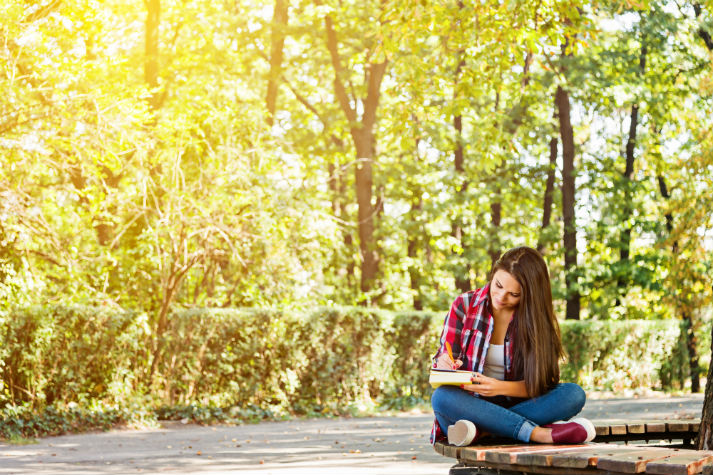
(439, 398)
(576, 396)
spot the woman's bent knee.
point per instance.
(576, 396)
(440, 397)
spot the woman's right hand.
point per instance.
(444, 362)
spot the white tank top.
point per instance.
(495, 362)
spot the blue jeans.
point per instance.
(451, 403)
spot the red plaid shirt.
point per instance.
(468, 328)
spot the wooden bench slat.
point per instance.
(585, 457)
(683, 464)
(509, 454)
(476, 453)
(656, 426)
(677, 426)
(615, 426)
(492, 468)
(451, 451)
(635, 461)
(543, 458)
(636, 427)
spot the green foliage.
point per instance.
(152, 190)
(67, 354)
(68, 368)
(617, 355)
(412, 338)
(343, 356)
(21, 422)
(183, 194)
(198, 414)
(227, 357)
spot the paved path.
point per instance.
(378, 445)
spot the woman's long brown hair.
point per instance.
(537, 346)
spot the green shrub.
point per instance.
(62, 354)
(342, 357)
(251, 364)
(413, 337)
(227, 357)
(18, 422)
(623, 354)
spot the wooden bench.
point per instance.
(627, 431)
(597, 458)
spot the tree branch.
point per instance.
(339, 89)
(376, 74)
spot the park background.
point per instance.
(241, 210)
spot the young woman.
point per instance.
(507, 334)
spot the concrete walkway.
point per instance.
(378, 445)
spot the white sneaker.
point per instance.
(462, 433)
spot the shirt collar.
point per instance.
(483, 295)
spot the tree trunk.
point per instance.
(549, 193)
(462, 277)
(669, 216)
(413, 245)
(462, 270)
(279, 23)
(624, 277)
(362, 132)
(348, 237)
(337, 188)
(628, 176)
(363, 174)
(513, 120)
(151, 51)
(701, 32)
(691, 340)
(568, 201)
(496, 208)
(704, 440)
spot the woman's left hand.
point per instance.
(485, 386)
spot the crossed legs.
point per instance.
(522, 421)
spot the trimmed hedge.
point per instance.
(63, 354)
(268, 363)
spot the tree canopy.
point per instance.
(233, 154)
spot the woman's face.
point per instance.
(505, 291)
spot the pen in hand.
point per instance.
(450, 353)
(455, 364)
